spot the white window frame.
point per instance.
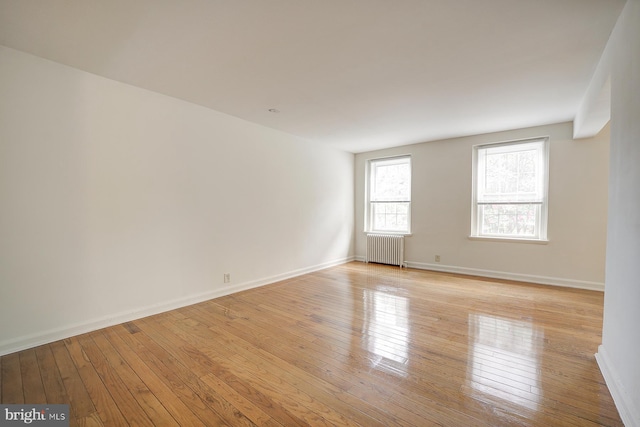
(541, 199)
(369, 209)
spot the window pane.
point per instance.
(391, 181)
(391, 221)
(403, 222)
(511, 176)
(378, 219)
(509, 220)
(390, 217)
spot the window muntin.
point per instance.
(389, 195)
(510, 191)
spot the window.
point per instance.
(510, 190)
(389, 195)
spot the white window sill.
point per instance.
(509, 240)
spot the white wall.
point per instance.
(441, 210)
(619, 354)
(118, 202)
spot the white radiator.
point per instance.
(385, 249)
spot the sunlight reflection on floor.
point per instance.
(504, 359)
(386, 330)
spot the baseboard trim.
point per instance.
(34, 340)
(628, 412)
(543, 280)
(529, 278)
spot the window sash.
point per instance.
(381, 192)
(390, 216)
(510, 220)
(518, 179)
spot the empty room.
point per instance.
(331, 213)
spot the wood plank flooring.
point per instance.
(354, 345)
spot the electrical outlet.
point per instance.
(437, 258)
(227, 277)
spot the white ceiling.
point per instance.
(355, 74)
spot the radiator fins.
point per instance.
(385, 249)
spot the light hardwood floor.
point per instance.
(358, 344)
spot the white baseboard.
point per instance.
(543, 280)
(629, 412)
(40, 338)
